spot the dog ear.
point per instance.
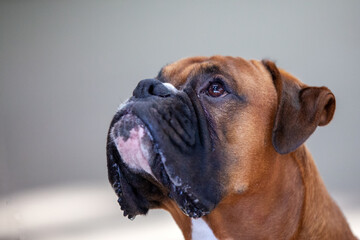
(300, 110)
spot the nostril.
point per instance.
(151, 87)
(151, 90)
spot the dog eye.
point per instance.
(216, 89)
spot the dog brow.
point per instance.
(215, 69)
(211, 69)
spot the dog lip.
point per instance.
(130, 129)
(134, 121)
(182, 193)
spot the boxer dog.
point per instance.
(219, 143)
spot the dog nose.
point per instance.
(151, 87)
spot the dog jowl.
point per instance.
(221, 140)
(160, 146)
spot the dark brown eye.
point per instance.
(216, 89)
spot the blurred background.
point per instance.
(65, 66)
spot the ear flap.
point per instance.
(300, 110)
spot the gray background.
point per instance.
(66, 65)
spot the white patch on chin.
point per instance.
(170, 87)
(133, 154)
(201, 230)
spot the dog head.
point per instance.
(197, 131)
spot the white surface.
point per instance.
(78, 212)
(201, 230)
(90, 211)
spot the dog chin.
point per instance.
(143, 157)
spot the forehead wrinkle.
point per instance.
(188, 72)
(177, 73)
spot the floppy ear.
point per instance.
(300, 110)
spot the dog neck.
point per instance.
(293, 196)
(265, 208)
(321, 217)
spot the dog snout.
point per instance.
(151, 87)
